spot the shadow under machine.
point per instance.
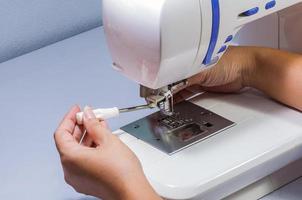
(160, 44)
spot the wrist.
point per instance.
(137, 188)
(249, 65)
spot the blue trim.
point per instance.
(250, 12)
(270, 4)
(229, 39)
(215, 31)
(222, 49)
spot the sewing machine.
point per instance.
(161, 43)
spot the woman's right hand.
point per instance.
(102, 166)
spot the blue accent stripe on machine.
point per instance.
(215, 31)
(270, 4)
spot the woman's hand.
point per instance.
(103, 166)
(274, 72)
(231, 74)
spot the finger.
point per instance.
(94, 127)
(105, 124)
(63, 135)
(227, 88)
(69, 121)
(198, 78)
(189, 92)
(78, 133)
(182, 95)
(87, 141)
(64, 141)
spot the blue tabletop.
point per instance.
(36, 90)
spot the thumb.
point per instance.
(198, 79)
(95, 129)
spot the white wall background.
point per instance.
(27, 25)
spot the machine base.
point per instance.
(190, 124)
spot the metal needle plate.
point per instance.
(189, 124)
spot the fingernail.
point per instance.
(88, 113)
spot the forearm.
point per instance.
(278, 74)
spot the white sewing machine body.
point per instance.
(159, 42)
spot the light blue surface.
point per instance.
(27, 25)
(36, 90)
(292, 191)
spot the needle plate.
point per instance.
(188, 125)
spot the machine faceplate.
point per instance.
(190, 124)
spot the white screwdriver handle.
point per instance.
(102, 114)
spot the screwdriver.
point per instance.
(108, 113)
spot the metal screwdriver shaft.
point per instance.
(135, 108)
